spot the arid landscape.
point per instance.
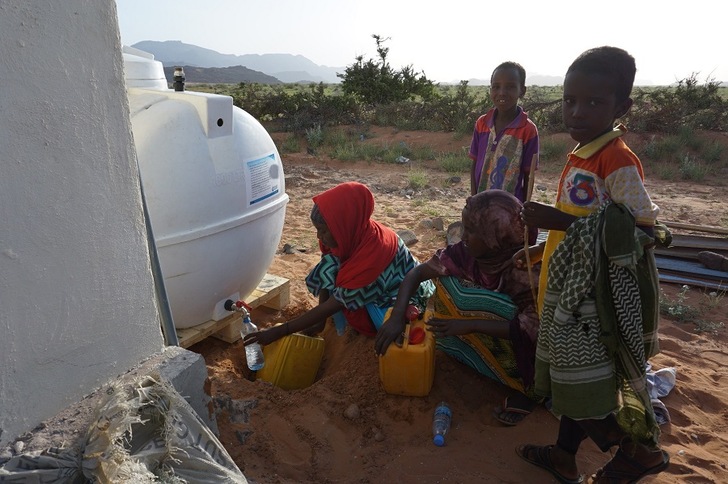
(345, 428)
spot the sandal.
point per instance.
(623, 468)
(513, 411)
(540, 455)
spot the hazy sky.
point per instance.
(448, 39)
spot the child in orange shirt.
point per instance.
(599, 293)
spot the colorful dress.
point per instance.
(490, 288)
(375, 298)
(503, 159)
(363, 272)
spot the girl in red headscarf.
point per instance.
(362, 265)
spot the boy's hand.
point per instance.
(536, 214)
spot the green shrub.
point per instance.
(291, 144)
(345, 152)
(553, 150)
(375, 82)
(693, 169)
(679, 309)
(455, 163)
(712, 152)
(418, 179)
(315, 136)
(666, 170)
(373, 92)
(664, 149)
(688, 138)
(669, 109)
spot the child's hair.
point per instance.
(512, 65)
(610, 62)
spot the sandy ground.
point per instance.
(308, 436)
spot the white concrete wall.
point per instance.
(77, 301)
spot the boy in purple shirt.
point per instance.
(504, 148)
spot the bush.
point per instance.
(688, 105)
(455, 163)
(372, 92)
(374, 82)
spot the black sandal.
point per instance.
(622, 468)
(540, 455)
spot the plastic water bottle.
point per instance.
(253, 351)
(441, 423)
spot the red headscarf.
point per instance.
(365, 247)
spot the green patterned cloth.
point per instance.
(599, 323)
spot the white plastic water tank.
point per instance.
(214, 187)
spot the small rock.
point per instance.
(378, 435)
(438, 223)
(19, 446)
(426, 224)
(352, 412)
(714, 261)
(408, 237)
(39, 441)
(293, 249)
(454, 179)
(242, 435)
(681, 453)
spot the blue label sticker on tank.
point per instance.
(259, 179)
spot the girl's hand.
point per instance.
(392, 331)
(266, 336)
(448, 327)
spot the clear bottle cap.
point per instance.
(439, 440)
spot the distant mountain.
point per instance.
(535, 80)
(542, 80)
(221, 75)
(284, 67)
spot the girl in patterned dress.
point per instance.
(362, 265)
